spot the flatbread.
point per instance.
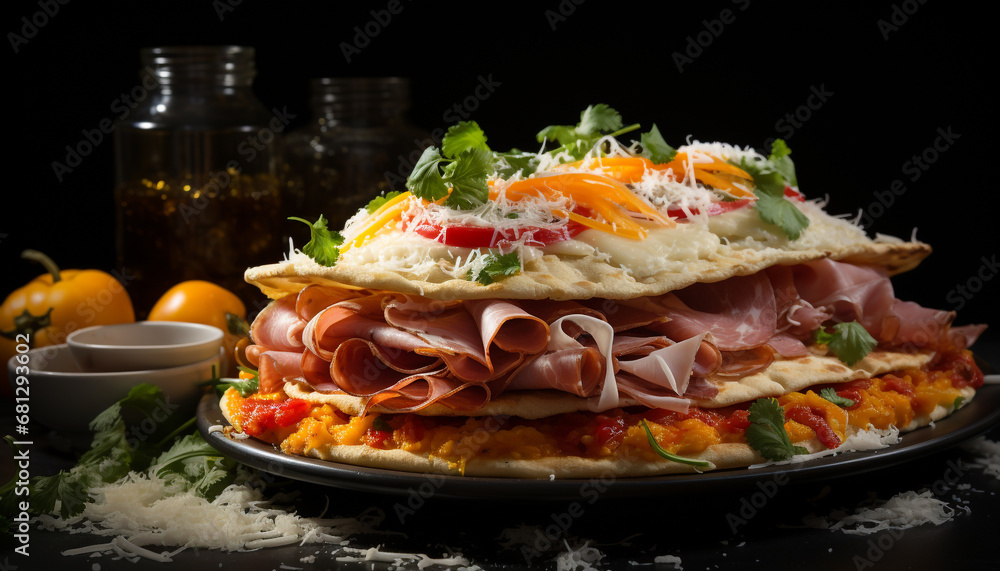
(721, 456)
(779, 378)
(565, 278)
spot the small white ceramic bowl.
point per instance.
(66, 399)
(143, 345)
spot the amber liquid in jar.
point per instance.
(206, 208)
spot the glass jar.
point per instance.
(197, 163)
(357, 145)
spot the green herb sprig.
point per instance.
(766, 433)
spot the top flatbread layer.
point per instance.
(564, 277)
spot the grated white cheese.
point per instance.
(669, 560)
(902, 511)
(579, 557)
(989, 455)
(860, 440)
(374, 554)
(140, 511)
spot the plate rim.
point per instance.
(973, 419)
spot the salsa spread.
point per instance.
(893, 399)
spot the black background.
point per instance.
(895, 75)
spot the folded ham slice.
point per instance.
(404, 352)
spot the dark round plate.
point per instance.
(975, 418)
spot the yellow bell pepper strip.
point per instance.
(199, 301)
(601, 195)
(717, 174)
(391, 210)
(50, 307)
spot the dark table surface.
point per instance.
(745, 524)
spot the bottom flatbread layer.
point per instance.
(721, 456)
(780, 377)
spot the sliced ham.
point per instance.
(278, 327)
(276, 366)
(406, 352)
(739, 313)
(415, 392)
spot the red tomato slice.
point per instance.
(463, 236)
(714, 209)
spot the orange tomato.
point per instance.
(199, 301)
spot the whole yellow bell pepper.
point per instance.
(199, 301)
(53, 305)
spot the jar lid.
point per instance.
(360, 91)
(221, 65)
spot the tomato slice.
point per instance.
(794, 194)
(463, 236)
(714, 209)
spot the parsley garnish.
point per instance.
(497, 265)
(379, 201)
(466, 175)
(245, 387)
(782, 162)
(461, 137)
(770, 177)
(381, 424)
(831, 395)
(515, 161)
(189, 463)
(577, 140)
(766, 433)
(324, 244)
(655, 148)
(850, 342)
(672, 457)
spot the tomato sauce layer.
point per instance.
(894, 399)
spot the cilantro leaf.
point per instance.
(669, 456)
(381, 424)
(577, 140)
(425, 181)
(497, 265)
(378, 201)
(324, 245)
(781, 213)
(245, 387)
(771, 204)
(462, 137)
(193, 464)
(467, 176)
(766, 433)
(599, 119)
(850, 342)
(516, 161)
(655, 148)
(782, 162)
(831, 395)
